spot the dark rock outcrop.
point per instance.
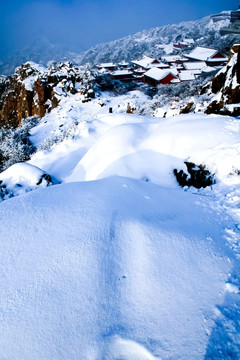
(226, 85)
(24, 95)
(197, 176)
(188, 108)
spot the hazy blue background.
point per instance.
(78, 24)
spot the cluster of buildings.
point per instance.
(171, 69)
(234, 26)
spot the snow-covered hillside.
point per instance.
(158, 41)
(118, 261)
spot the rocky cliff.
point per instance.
(35, 90)
(225, 87)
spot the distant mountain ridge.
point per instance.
(41, 52)
(153, 42)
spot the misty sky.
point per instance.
(79, 24)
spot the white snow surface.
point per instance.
(21, 173)
(131, 145)
(110, 269)
(118, 261)
(152, 149)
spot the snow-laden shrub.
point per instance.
(15, 144)
(180, 93)
(69, 131)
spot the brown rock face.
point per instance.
(188, 108)
(18, 101)
(30, 91)
(42, 93)
(227, 84)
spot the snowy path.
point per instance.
(110, 269)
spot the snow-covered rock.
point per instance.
(35, 90)
(21, 178)
(226, 87)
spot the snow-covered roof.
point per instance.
(173, 58)
(139, 71)
(161, 65)
(103, 71)
(121, 72)
(145, 62)
(175, 81)
(157, 74)
(123, 63)
(186, 75)
(203, 54)
(209, 69)
(219, 59)
(106, 65)
(174, 70)
(196, 65)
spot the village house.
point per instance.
(170, 69)
(194, 65)
(160, 65)
(199, 67)
(224, 15)
(180, 45)
(186, 75)
(145, 63)
(174, 60)
(156, 76)
(123, 65)
(123, 75)
(106, 66)
(184, 44)
(212, 57)
(234, 27)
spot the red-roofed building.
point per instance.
(146, 62)
(212, 57)
(123, 75)
(156, 76)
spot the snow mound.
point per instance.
(127, 350)
(22, 177)
(110, 269)
(152, 150)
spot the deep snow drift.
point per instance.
(96, 270)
